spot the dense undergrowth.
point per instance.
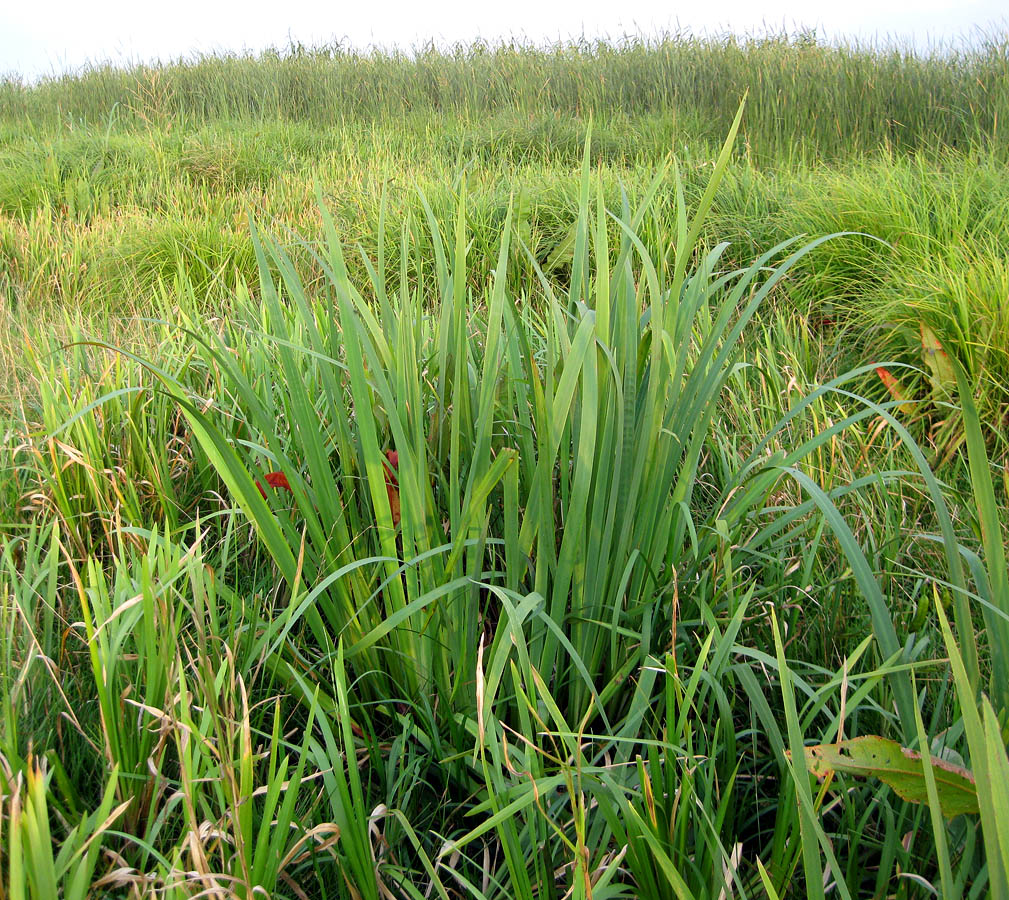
(502, 514)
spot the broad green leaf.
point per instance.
(876, 757)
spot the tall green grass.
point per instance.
(569, 659)
(807, 97)
(656, 525)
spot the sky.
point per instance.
(50, 37)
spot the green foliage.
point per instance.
(654, 530)
(214, 258)
(875, 757)
(38, 866)
(808, 97)
(75, 177)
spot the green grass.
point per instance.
(807, 97)
(656, 522)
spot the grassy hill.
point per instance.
(481, 472)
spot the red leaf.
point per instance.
(393, 457)
(275, 480)
(392, 485)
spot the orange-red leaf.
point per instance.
(896, 389)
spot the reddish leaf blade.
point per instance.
(896, 389)
(274, 480)
(392, 484)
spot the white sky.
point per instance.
(46, 37)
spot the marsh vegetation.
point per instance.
(507, 473)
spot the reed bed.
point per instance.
(806, 96)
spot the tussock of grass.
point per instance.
(213, 257)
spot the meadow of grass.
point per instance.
(634, 458)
